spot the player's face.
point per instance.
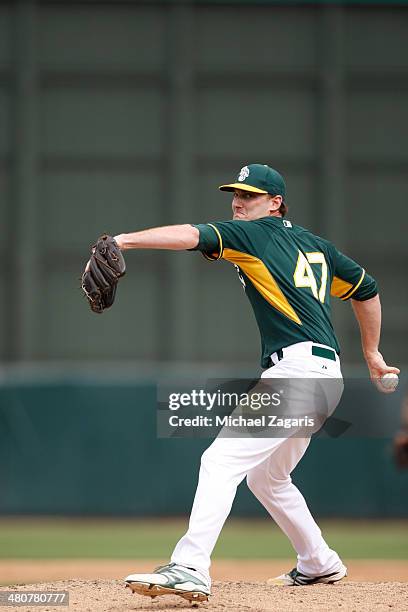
(248, 206)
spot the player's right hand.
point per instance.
(377, 368)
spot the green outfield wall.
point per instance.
(117, 116)
(90, 448)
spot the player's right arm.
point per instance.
(172, 237)
(350, 280)
(368, 315)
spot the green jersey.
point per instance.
(289, 275)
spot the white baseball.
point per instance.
(389, 381)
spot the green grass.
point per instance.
(249, 539)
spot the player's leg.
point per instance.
(271, 482)
(229, 460)
(223, 466)
(272, 485)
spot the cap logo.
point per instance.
(243, 174)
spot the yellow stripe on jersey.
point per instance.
(215, 256)
(219, 237)
(348, 295)
(262, 280)
(343, 289)
(339, 287)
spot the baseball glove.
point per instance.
(102, 272)
(401, 449)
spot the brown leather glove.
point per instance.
(102, 272)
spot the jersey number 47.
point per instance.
(303, 275)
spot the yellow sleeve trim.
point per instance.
(348, 295)
(215, 256)
(212, 257)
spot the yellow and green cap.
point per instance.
(258, 178)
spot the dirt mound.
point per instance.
(112, 596)
(33, 571)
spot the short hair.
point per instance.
(283, 208)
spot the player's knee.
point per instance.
(279, 482)
(267, 484)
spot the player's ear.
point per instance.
(275, 202)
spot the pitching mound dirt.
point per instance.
(112, 596)
(33, 571)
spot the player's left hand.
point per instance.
(119, 241)
(377, 368)
(102, 272)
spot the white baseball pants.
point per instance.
(267, 464)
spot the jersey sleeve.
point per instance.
(210, 241)
(350, 280)
(220, 235)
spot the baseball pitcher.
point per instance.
(289, 276)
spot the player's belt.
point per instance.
(326, 353)
(317, 351)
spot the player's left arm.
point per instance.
(172, 237)
(368, 315)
